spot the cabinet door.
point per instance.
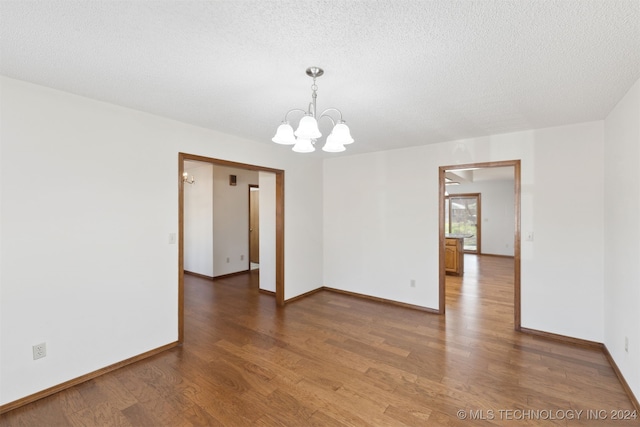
(451, 258)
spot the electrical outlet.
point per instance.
(626, 344)
(39, 351)
(241, 257)
(227, 260)
(412, 283)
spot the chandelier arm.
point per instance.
(291, 111)
(324, 114)
(333, 122)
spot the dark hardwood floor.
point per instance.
(333, 359)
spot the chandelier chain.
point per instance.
(312, 106)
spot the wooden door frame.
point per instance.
(516, 164)
(478, 197)
(249, 190)
(279, 227)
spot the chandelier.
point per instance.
(307, 133)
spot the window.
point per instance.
(462, 218)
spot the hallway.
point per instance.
(484, 294)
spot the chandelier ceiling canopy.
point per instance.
(307, 133)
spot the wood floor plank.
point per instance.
(103, 413)
(331, 359)
(321, 419)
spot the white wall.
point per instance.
(563, 278)
(622, 235)
(381, 223)
(89, 197)
(267, 222)
(231, 220)
(198, 219)
(497, 214)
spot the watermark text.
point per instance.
(547, 414)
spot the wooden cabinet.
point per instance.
(454, 256)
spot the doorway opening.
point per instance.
(278, 255)
(443, 197)
(254, 227)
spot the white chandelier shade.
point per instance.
(284, 135)
(303, 145)
(308, 128)
(342, 133)
(308, 132)
(333, 144)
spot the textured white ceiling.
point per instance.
(403, 73)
